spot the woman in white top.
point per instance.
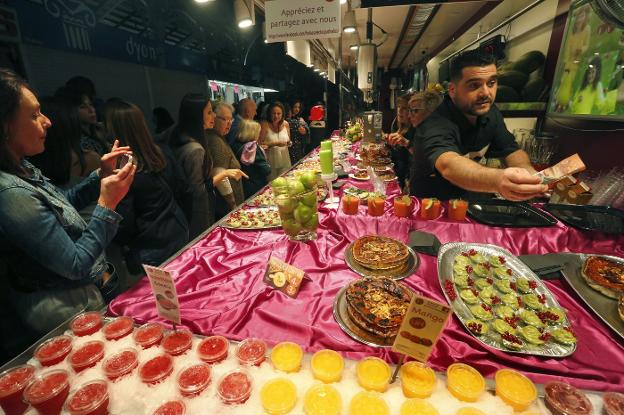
(275, 140)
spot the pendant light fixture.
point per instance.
(348, 22)
(244, 13)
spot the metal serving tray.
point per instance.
(404, 272)
(225, 222)
(446, 257)
(496, 212)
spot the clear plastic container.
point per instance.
(515, 389)
(322, 400)
(278, 396)
(86, 356)
(156, 369)
(373, 374)
(118, 328)
(234, 387)
(418, 407)
(464, 382)
(327, 366)
(368, 403)
(148, 335)
(12, 384)
(194, 379)
(213, 349)
(86, 324)
(251, 352)
(90, 399)
(417, 380)
(47, 393)
(177, 342)
(286, 356)
(121, 363)
(171, 408)
(564, 399)
(53, 351)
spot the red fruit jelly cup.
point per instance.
(90, 399)
(12, 385)
(118, 328)
(86, 324)
(47, 393)
(234, 387)
(53, 351)
(177, 342)
(194, 379)
(213, 349)
(251, 352)
(171, 408)
(121, 363)
(87, 355)
(148, 335)
(156, 369)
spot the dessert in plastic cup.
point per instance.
(86, 356)
(322, 400)
(327, 366)
(418, 407)
(403, 206)
(564, 399)
(118, 328)
(193, 379)
(85, 324)
(213, 349)
(120, 364)
(53, 351)
(417, 380)
(177, 342)
(286, 356)
(156, 369)
(515, 389)
(12, 384)
(373, 374)
(251, 352)
(464, 382)
(613, 403)
(375, 205)
(350, 204)
(148, 335)
(171, 408)
(430, 208)
(47, 393)
(90, 399)
(278, 396)
(457, 209)
(469, 410)
(368, 403)
(234, 387)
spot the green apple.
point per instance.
(302, 213)
(285, 204)
(280, 186)
(295, 187)
(312, 223)
(309, 199)
(291, 228)
(308, 179)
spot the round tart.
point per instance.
(379, 252)
(604, 275)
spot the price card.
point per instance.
(165, 293)
(421, 327)
(283, 277)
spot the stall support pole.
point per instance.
(339, 70)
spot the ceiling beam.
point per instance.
(408, 21)
(422, 32)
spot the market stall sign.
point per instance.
(283, 277)
(164, 291)
(424, 321)
(302, 19)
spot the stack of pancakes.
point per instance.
(381, 254)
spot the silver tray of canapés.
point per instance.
(501, 302)
(253, 219)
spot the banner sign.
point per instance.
(302, 19)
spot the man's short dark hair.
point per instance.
(470, 58)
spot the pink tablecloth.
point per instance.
(219, 280)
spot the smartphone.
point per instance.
(125, 159)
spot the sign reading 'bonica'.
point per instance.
(302, 19)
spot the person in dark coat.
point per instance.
(251, 157)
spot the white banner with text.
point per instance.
(302, 19)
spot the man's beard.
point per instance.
(472, 109)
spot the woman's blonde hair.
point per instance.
(429, 99)
(248, 131)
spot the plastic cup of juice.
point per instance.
(457, 209)
(90, 399)
(213, 349)
(515, 389)
(156, 369)
(171, 408)
(177, 342)
(350, 204)
(402, 206)
(376, 205)
(120, 364)
(251, 352)
(417, 380)
(418, 407)
(278, 396)
(87, 355)
(327, 366)
(322, 400)
(469, 410)
(430, 208)
(464, 382)
(47, 393)
(85, 324)
(148, 335)
(286, 356)
(234, 387)
(193, 379)
(53, 351)
(368, 403)
(12, 384)
(118, 328)
(373, 374)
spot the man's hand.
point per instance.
(235, 174)
(396, 139)
(518, 184)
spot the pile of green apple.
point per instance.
(354, 133)
(296, 202)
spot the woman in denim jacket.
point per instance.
(54, 258)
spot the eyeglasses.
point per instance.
(224, 119)
(415, 110)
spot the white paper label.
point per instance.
(165, 293)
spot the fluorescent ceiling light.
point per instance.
(270, 90)
(348, 22)
(244, 12)
(322, 73)
(203, 1)
(317, 70)
(354, 47)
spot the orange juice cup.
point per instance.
(286, 356)
(464, 382)
(368, 403)
(376, 205)
(322, 400)
(457, 209)
(417, 380)
(418, 407)
(373, 374)
(430, 208)
(327, 366)
(402, 206)
(350, 204)
(515, 389)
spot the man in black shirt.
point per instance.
(465, 128)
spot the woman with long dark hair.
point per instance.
(590, 97)
(275, 139)
(299, 131)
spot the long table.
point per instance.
(219, 279)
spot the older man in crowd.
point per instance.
(246, 111)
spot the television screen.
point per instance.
(590, 70)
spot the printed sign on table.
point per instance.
(283, 277)
(302, 19)
(165, 293)
(424, 321)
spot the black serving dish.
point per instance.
(588, 217)
(495, 212)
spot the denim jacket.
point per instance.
(42, 236)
